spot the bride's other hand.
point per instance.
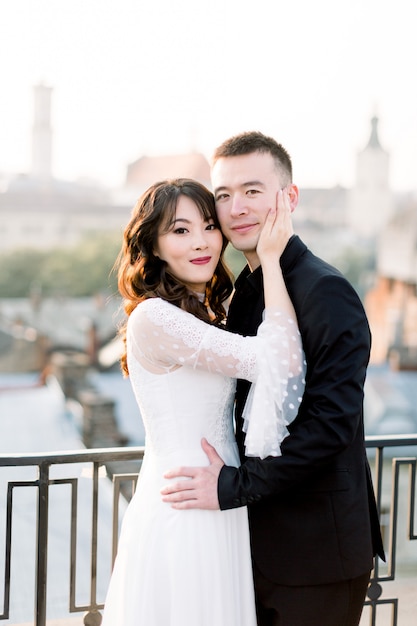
(277, 229)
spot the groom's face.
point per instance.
(245, 188)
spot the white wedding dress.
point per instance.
(193, 567)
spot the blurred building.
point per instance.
(370, 202)
(337, 219)
(31, 331)
(39, 211)
(147, 169)
(371, 219)
(392, 303)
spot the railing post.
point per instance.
(42, 537)
(94, 535)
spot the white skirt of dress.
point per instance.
(179, 568)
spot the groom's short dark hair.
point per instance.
(254, 141)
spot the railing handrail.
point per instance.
(133, 452)
(95, 455)
(390, 441)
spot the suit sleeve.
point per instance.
(336, 342)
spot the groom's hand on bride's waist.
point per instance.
(200, 490)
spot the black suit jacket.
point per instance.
(312, 510)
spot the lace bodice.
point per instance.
(183, 370)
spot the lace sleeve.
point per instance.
(273, 402)
(162, 338)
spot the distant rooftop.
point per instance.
(148, 169)
(65, 321)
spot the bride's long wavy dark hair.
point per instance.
(143, 275)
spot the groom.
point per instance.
(313, 518)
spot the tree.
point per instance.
(82, 270)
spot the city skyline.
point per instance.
(134, 78)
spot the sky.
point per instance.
(136, 77)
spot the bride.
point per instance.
(193, 568)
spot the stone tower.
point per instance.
(42, 133)
(370, 202)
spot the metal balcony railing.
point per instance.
(388, 463)
(393, 497)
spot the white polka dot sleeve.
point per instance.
(273, 401)
(162, 338)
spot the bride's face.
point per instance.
(191, 246)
